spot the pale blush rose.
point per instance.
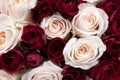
(83, 52)
(89, 21)
(5, 76)
(56, 26)
(92, 1)
(48, 71)
(19, 10)
(9, 35)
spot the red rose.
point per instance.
(12, 61)
(112, 43)
(44, 8)
(68, 8)
(109, 6)
(115, 22)
(55, 50)
(106, 70)
(70, 73)
(33, 59)
(33, 37)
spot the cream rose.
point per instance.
(9, 35)
(5, 76)
(83, 52)
(19, 10)
(89, 21)
(48, 71)
(93, 1)
(3, 6)
(56, 26)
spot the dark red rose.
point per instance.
(33, 59)
(12, 61)
(68, 8)
(112, 43)
(55, 49)
(70, 73)
(106, 70)
(115, 22)
(33, 37)
(44, 8)
(109, 6)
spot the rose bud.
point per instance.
(12, 61)
(33, 59)
(33, 37)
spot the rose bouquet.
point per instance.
(59, 40)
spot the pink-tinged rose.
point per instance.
(44, 8)
(12, 61)
(5, 76)
(55, 50)
(83, 53)
(70, 73)
(9, 35)
(105, 70)
(33, 37)
(68, 8)
(89, 21)
(109, 6)
(56, 26)
(112, 43)
(33, 59)
(47, 71)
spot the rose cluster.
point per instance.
(59, 40)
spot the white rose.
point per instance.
(92, 1)
(56, 26)
(19, 10)
(9, 35)
(3, 6)
(48, 71)
(89, 21)
(83, 52)
(5, 76)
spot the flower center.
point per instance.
(2, 37)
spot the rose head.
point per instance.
(12, 61)
(33, 59)
(106, 70)
(70, 73)
(33, 37)
(68, 8)
(44, 8)
(112, 43)
(55, 49)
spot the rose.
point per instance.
(68, 8)
(70, 73)
(12, 61)
(9, 36)
(89, 21)
(33, 37)
(5, 76)
(33, 59)
(55, 50)
(56, 26)
(48, 71)
(44, 8)
(3, 7)
(83, 52)
(20, 10)
(109, 6)
(93, 1)
(112, 43)
(106, 70)
(115, 23)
